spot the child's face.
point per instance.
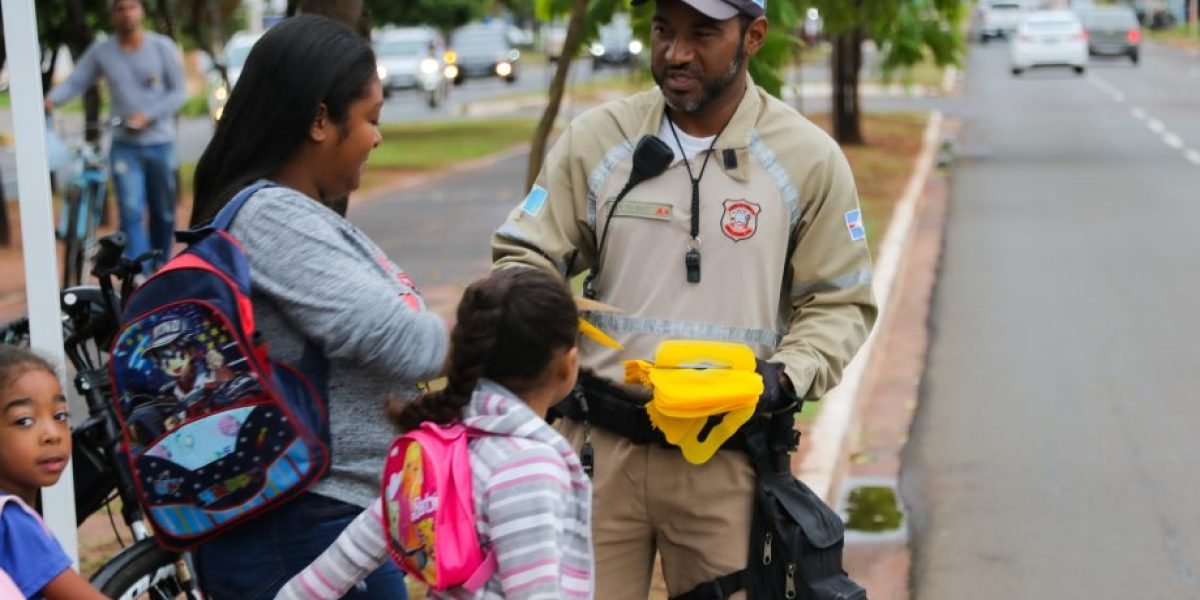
(35, 440)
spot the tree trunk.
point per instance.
(847, 63)
(166, 24)
(79, 36)
(349, 12)
(541, 135)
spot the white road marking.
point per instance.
(1118, 96)
(1172, 140)
(1156, 126)
(1138, 113)
(1193, 156)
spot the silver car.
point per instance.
(412, 58)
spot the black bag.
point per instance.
(796, 540)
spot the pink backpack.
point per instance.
(429, 509)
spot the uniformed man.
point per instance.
(752, 234)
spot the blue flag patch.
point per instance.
(534, 202)
(854, 225)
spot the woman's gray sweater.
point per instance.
(316, 276)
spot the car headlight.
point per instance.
(429, 66)
(221, 93)
(450, 57)
(217, 114)
(597, 49)
(451, 72)
(381, 71)
(635, 47)
(504, 69)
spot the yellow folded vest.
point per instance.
(694, 380)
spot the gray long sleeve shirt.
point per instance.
(316, 276)
(148, 80)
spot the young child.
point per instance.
(513, 356)
(35, 444)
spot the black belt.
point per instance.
(598, 402)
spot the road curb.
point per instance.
(821, 467)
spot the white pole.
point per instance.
(37, 238)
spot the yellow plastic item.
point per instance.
(694, 381)
(598, 335)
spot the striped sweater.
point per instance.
(532, 501)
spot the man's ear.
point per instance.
(756, 35)
(321, 128)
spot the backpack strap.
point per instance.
(225, 218)
(482, 573)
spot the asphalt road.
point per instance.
(1054, 452)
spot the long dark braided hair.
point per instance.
(510, 324)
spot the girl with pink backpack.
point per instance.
(481, 447)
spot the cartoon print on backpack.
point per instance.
(409, 503)
(177, 366)
(202, 431)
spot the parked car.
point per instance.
(1113, 31)
(616, 45)
(1047, 39)
(480, 51)
(412, 58)
(999, 18)
(235, 51)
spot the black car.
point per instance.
(480, 51)
(1113, 31)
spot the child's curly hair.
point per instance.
(15, 361)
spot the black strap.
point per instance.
(716, 589)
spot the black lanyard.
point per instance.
(691, 259)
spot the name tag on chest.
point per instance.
(644, 210)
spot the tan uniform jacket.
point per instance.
(784, 261)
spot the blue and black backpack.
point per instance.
(215, 431)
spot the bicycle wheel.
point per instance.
(73, 238)
(145, 571)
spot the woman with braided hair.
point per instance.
(513, 355)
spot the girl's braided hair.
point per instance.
(509, 326)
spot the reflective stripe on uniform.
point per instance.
(859, 277)
(787, 191)
(600, 175)
(691, 330)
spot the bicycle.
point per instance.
(91, 319)
(84, 200)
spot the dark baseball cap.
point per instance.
(724, 9)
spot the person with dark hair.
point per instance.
(35, 445)
(513, 356)
(146, 87)
(751, 233)
(304, 118)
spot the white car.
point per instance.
(998, 18)
(412, 58)
(1049, 39)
